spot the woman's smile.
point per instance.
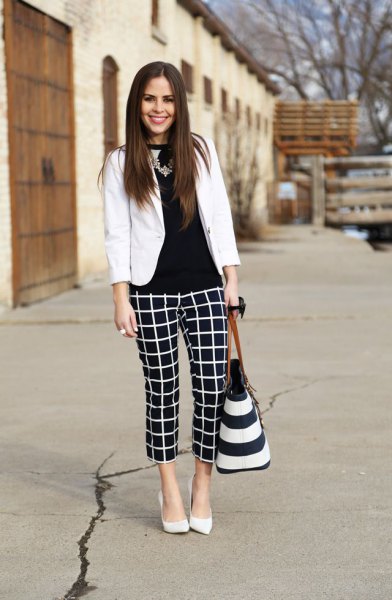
(157, 120)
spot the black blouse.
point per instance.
(185, 263)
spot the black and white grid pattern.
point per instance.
(202, 318)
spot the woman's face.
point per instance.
(158, 110)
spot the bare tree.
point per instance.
(336, 49)
(242, 171)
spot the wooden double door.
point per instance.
(42, 162)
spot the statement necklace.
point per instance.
(165, 169)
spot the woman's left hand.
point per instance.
(231, 289)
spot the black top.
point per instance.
(185, 263)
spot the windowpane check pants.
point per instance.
(202, 318)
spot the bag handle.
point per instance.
(233, 331)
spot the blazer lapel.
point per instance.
(203, 189)
(156, 199)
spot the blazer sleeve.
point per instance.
(222, 219)
(117, 221)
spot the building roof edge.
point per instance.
(215, 26)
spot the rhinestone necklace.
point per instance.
(165, 169)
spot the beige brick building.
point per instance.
(66, 69)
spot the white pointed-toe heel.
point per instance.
(172, 526)
(195, 523)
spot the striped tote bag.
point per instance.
(243, 445)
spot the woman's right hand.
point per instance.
(124, 315)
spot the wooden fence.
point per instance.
(357, 189)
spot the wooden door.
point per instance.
(41, 140)
(110, 129)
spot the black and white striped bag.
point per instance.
(243, 445)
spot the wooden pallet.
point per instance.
(328, 127)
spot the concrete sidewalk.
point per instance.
(76, 480)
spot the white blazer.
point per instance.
(134, 236)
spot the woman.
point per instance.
(169, 238)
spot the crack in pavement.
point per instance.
(274, 397)
(81, 586)
(143, 468)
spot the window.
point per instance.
(109, 77)
(207, 90)
(155, 13)
(237, 108)
(224, 100)
(187, 73)
(266, 126)
(156, 24)
(258, 121)
(248, 116)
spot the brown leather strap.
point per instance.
(232, 330)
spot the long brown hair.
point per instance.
(138, 175)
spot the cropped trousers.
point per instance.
(201, 316)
